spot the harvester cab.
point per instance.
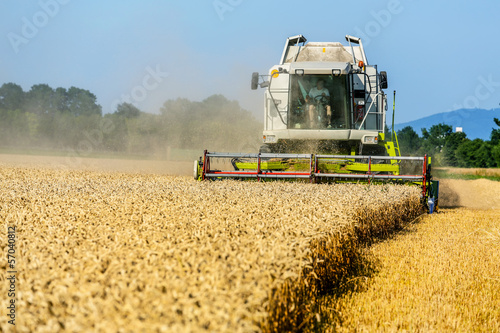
(326, 94)
(324, 121)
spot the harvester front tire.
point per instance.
(265, 149)
(196, 170)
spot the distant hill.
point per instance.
(476, 123)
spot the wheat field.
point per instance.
(125, 252)
(442, 275)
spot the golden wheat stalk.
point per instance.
(109, 251)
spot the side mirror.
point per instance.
(255, 80)
(383, 80)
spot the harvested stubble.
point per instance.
(443, 275)
(120, 252)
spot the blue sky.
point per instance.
(439, 55)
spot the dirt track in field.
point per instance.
(474, 194)
(491, 172)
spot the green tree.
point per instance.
(115, 138)
(484, 156)
(176, 117)
(409, 141)
(475, 154)
(139, 130)
(127, 110)
(435, 138)
(495, 142)
(12, 120)
(71, 118)
(14, 129)
(60, 100)
(11, 97)
(144, 134)
(453, 141)
(495, 133)
(39, 99)
(39, 102)
(82, 102)
(495, 153)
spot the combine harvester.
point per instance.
(324, 99)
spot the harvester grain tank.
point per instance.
(324, 121)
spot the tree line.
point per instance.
(450, 148)
(71, 119)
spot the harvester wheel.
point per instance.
(196, 170)
(265, 149)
